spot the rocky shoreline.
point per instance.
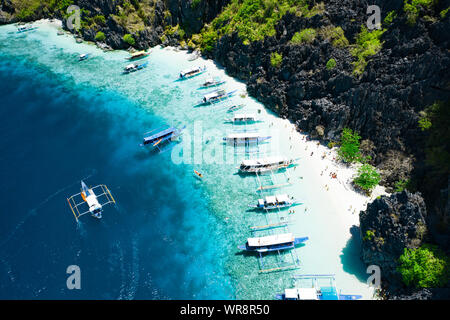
(383, 104)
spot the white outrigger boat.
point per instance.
(212, 82)
(190, 73)
(134, 67)
(83, 56)
(265, 164)
(245, 138)
(26, 28)
(242, 118)
(270, 243)
(315, 287)
(89, 198)
(215, 96)
(275, 202)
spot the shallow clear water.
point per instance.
(172, 236)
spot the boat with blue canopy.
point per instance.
(315, 287)
(159, 138)
(134, 67)
(270, 243)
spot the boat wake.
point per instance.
(32, 212)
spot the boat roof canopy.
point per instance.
(270, 240)
(307, 294)
(291, 293)
(263, 161)
(243, 135)
(283, 198)
(244, 116)
(161, 133)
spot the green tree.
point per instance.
(331, 64)
(349, 146)
(424, 267)
(276, 59)
(128, 38)
(100, 36)
(367, 177)
(304, 36)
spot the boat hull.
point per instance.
(278, 247)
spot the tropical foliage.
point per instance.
(349, 146)
(331, 64)
(276, 59)
(253, 20)
(424, 267)
(368, 43)
(367, 177)
(100, 36)
(304, 36)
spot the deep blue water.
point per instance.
(161, 242)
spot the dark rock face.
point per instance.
(389, 225)
(193, 17)
(410, 72)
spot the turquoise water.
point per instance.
(172, 236)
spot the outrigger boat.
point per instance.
(317, 287)
(83, 56)
(274, 202)
(138, 55)
(212, 82)
(215, 96)
(270, 243)
(241, 138)
(235, 107)
(134, 67)
(243, 119)
(91, 199)
(26, 28)
(265, 164)
(159, 138)
(190, 73)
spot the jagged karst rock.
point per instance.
(388, 226)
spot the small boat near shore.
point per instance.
(26, 28)
(270, 243)
(134, 67)
(192, 72)
(138, 55)
(274, 202)
(315, 287)
(245, 138)
(215, 96)
(212, 82)
(83, 56)
(262, 165)
(242, 118)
